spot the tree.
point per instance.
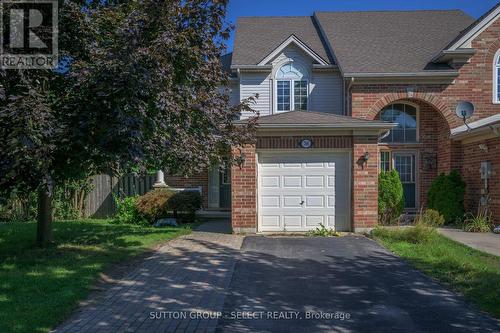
(141, 90)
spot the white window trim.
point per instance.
(417, 108)
(292, 94)
(496, 71)
(417, 173)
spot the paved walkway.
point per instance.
(486, 242)
(187, 277)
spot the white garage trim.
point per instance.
(343, 200)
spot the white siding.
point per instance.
(325, 93)
(325, 88)
(256, 83)
(234, 93)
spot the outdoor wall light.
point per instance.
(363, 160)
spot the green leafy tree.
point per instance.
(390, 197)
(139, 87)
(446, 195)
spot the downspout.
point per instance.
(348, 99)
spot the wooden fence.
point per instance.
(100, 202)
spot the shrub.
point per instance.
(446, 195)
(418, 234)
(185, 203)
(430, 218)
(390, 197)
(477, 223)
(154, 204)
(126, 211)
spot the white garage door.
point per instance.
(298, 191)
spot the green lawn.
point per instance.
(40, 287)
(473, 273)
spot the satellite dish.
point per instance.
(464, 110)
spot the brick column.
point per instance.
(244, 193)
(365, 183)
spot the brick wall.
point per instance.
(244, 178)
(291, 142)
(472, 158)
(244, 192)
(437, 103)
(365, 183)
(474, 83)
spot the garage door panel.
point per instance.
(314, 220)
(270, 181)
(271, 201)
(312, 189)
(315, 201)
(292, 181)
(315, 181)
(292, 201)
(271, 221)
(292, 221)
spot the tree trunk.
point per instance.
(44, 215)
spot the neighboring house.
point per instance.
(344, 95)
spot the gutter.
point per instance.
(252, 67)
(448, 55)
(491, 123)
(382, 126)
(433, 74)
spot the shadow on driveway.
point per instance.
(350, 275)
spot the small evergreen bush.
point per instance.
(390, 197)
(446, 195)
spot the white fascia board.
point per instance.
(480, 27)
(476, 125)
(282, 46)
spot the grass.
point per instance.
(40, 287)
(473, 273)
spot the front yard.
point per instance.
(473, 273)
(40, 287)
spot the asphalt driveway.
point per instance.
(342, 285)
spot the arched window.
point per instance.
(405, 116)
(496, 78)
(291, 88)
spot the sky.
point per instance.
(474, 8)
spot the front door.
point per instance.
(405, 165)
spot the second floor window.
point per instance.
(291, 88)
(405, 116)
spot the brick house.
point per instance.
(344, 95)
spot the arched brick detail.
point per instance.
(429, 98)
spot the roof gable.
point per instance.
(293, 40)
(258, 37)
(464, 39)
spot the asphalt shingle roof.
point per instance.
(257, 37)
(390, 41)
(311, 118)
(362, 42)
